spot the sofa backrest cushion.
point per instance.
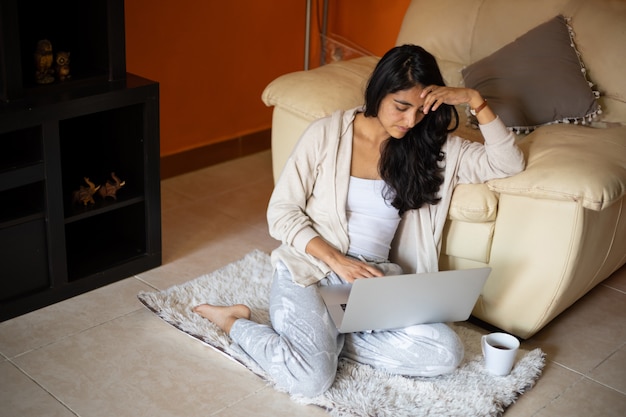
(460, 33)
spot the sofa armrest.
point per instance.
(319, 92)
(473, 203)
(572, 163)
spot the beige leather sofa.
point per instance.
(550, 233)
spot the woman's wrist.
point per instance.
(479, 107)
(321, 250)
(476, 100)
(476, 110)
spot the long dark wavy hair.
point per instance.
(410, 166)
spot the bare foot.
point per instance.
(223, 316)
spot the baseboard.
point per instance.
(215, 153)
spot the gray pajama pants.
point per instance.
(300, 350)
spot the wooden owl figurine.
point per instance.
(43, 62)
(63, 65)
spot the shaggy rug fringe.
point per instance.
(359, 390)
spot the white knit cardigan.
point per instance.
(309, 198)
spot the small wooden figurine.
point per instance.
(63, 65)
(110, 189)
(43, 62)
(85, 194)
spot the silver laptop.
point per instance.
(399, 301)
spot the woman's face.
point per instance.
(400, 111)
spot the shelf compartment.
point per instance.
(92, 31)
(20, 148)
(21, 176)
(98, 144)
(98, 243)
(22, 204)
(25, 260)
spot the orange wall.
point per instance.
(214, 58)
(371, 24)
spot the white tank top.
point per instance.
(372, 221)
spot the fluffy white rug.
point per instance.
(358, 390)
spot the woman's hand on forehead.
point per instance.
(436, 95)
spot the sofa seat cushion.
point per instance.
(574, 163)
(473, 203)
(317, 93)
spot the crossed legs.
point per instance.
(300, 350)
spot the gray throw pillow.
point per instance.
(537, 79)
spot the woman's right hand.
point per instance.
(348, 268)
(352, 269)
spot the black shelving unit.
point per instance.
(52, 136)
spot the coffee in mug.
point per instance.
(499, 350)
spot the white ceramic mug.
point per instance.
(499, 350)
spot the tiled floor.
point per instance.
(104, 354)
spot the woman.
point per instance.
(336, 208)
